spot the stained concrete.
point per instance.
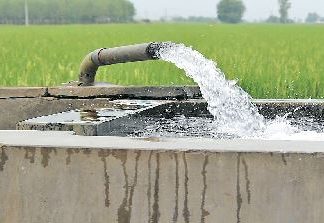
(19, 109)
(59, 177)
(124, 121)
(19, 104)
(136, 121)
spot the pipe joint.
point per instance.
(95, 57)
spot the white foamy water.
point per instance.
(228, 103)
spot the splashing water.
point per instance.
(229, 104)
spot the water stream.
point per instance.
(230, 105)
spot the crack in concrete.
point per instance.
(123, 211)
(132, 189)
(149, 166)
(155, 207)
(185, 211)
(238, 190)
(107, 182)
(104, 154)
(176, 208)
(247, 181)
(3, 158)
(204, 213)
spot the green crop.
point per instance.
(269, 61)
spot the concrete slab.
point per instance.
(22, 92)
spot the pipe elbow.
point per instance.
(88, 70)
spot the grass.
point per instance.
(269, 61)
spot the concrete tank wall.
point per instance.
(112, 185)
(57, 177)
(24, 103)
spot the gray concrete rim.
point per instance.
(69, 140)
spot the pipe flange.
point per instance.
(95, 57)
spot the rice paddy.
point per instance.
(268, 61)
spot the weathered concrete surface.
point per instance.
(124, 122)
(112, 91)
(111, 121)
(136, 121)
(60, 177)
(14, 110)
(62, 184)
(271, 108)
(19, 104)
(129, 92)
(23, 92)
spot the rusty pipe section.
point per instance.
(109, 56)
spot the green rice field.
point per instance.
(269, 61)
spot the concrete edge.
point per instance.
(114, 91)
(130, 92)
(69, 140)
(22, 92)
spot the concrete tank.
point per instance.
(62, 177)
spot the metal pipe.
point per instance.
(108, 56)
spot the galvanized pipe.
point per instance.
(108, 56)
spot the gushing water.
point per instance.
(229, 104)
